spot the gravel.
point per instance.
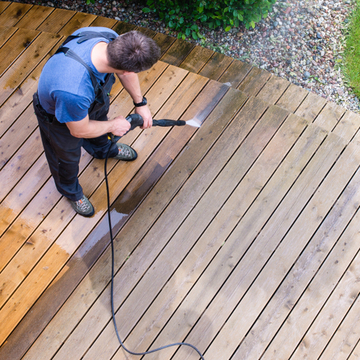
(301, 40)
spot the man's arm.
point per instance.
(131, 84)
(87, 128)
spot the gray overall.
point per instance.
(63, 150)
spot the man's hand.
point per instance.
(120, 126)
(145, 113)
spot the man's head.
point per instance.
(133, 52)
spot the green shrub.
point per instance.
(184, 16)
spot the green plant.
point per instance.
(351, 63)
(186, 16)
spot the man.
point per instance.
(72, 102)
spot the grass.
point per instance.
(352, 51)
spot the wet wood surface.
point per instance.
(240, 237)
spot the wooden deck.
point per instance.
(241, 237)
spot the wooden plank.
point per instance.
(73, 235)
(311, 106)
(324, 330)
(329, 116)
(105, 22)
(4, 5)
(56, 21)
(350, 119)
(78, 21)
(235, 73)
(270, 276)
(196, 60)
(16, 135)
(146, 31)
(273, 89)
(295, 302)
(26, 63)
(13, 13)
(13, 48)
(35, 17)
(5, 34)
(123, 27)
(254, 81)
(292, 98)
(164, 190)
(164, 42)
(177, 52)
(355, 355)
(216, 66)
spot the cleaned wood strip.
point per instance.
(254, 81)
(4, 5)
(36, 251)
(278, 263)
(216, 66)
(177, 52)
(213, 237)
(311, 106)
(78, 21)
(35, 17)
(292, 98)
(282, 311)
(196, 60)
(13, 13)
(26, 63)
(105, 22)
(56, 21)
(355, 354)
(5, 34)
(334, 311)
(234, 247)
(22, 97)
(13, 48)
(235, 73)
(164, 190)
(16, 135)
(73, 235)
(273, 89)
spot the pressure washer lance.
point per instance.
(136, 120)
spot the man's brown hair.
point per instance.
(133, 51)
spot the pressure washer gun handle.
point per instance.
(135, 120)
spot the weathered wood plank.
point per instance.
(349, 120)
(146, 31)
(122, 27)
(336, 307)
(78, 21)
(26, 63)
(329, 116)
(278, 265)
(216, 66)
(35, 17)
(56, 21)
(5, 34)
(235, 73)
(13, 49)
(167, 190)
(282, 312)
(214, 237)
(105, 22)
(13, 13)
(177, 52)
(311, 106)
(164, 41)
(196, 60)
(273, 89)
(292, 98)
(254, 81)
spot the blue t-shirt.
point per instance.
(65, 88)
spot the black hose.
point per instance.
(112, 281)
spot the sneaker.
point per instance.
(83, 207)
(126, 153)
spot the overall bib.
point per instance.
(63, 150)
